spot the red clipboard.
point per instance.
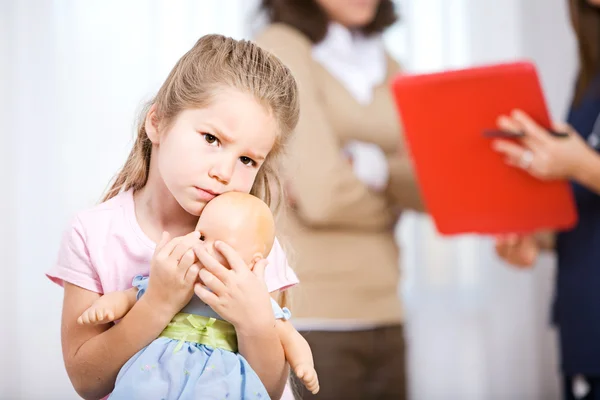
(466, 186)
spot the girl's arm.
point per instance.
(261, 347)
(94, 354)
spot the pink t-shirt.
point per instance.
(105, 248)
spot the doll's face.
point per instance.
(242, 221)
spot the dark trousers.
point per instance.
(361, 365)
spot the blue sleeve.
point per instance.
(280, 313)
(140, 282)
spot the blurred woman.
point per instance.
(576, 310)
(348, 179)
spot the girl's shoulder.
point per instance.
(96, 239)
(104, 212)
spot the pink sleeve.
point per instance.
(278, 274)
(73, 264)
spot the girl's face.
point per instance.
(208, 151)
(350, 13)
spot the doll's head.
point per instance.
(241, 220)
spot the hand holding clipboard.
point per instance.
(450, 121)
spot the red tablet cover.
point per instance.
(466, 186)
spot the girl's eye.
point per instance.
(210, 139)
(247, 161)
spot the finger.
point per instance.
(501, 250)
(187, 242)
(531, 129)
(99, 315)
(512, 239)
(259, 268)
(563, 127)
(513, 152)
(504, 245)
(164, 239)
(233, 258)
(86, 317)
(210, 263)
(192, 273)
(187, 259)
(80, 319)
(518, 256)
(167, 249)
(528, 254)
(212, 282)
(508, 124)
(110, 316)
(206, 295)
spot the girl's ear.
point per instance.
(151, 125)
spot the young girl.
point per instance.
(217, 124)
(196, 356)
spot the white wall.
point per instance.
(7, 221)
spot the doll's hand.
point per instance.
(308, 375)
(108, 308)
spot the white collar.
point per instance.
(358, 62)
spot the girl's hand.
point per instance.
(520, 251)
(542, 155)
(173, 273)
(239, 294)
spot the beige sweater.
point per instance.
(340, 231)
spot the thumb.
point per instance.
(259, 268)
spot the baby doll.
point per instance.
(196, 355)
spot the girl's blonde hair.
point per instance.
(216, 62)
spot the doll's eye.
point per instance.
(202, 238)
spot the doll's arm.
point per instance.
(298, 354)
(110, 307)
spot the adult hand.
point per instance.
(519, 250)
(542, 155)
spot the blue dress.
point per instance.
(175, 367)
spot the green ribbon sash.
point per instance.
(202, 330)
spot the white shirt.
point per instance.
(359, 64)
